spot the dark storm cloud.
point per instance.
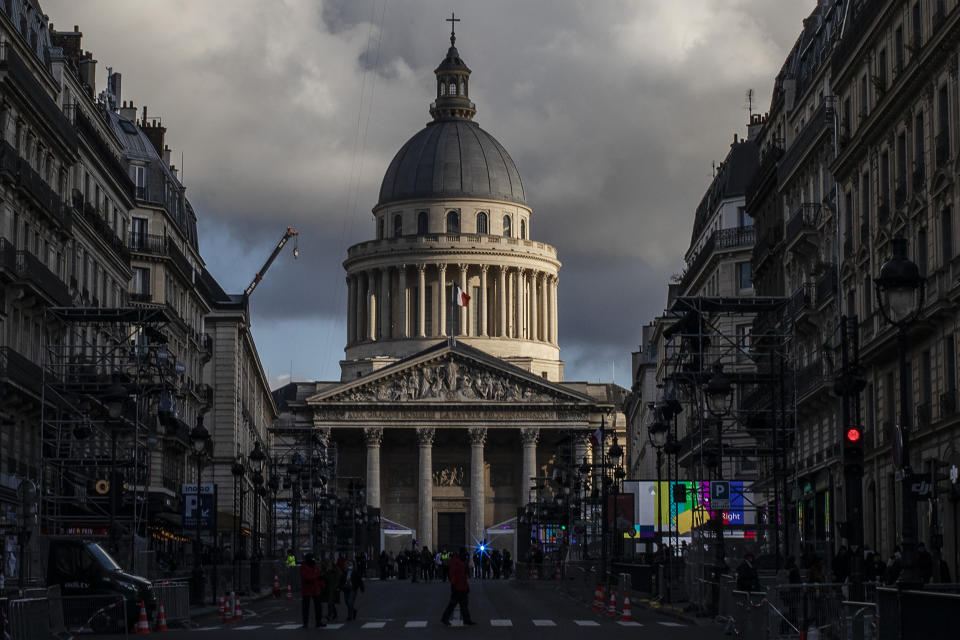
(288, 115)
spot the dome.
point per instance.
(452, 158)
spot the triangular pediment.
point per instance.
(450, 373)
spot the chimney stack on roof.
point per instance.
(155, 132)
(87, 68)
(128, 112)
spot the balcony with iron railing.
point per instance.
(811, 379)
(816, 126)
(105, 231)
(158, 245)
(731, 238)
(16, 75)
(802, 300)
(141, 298)
(104, 151)
(32, 270)
(802, 227)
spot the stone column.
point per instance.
(425, 510)
(374, 438)
(528, 437)
(478, 437)
(553, 311)
(534, 334)
(502, 301)
(483, 301)
(422, 301)
(462, 311)
(351, 309)
(403, 302)
(384, 304)
(518, 307)
(441, 300)
(370, 323)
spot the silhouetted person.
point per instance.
(459, 589)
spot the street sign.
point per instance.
(207, 505)
(720, 495)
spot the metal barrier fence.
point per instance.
(28, 619)
(175, 597)
(99, 614)
(860, 621)
(798, 607)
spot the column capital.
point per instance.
(529, 436)
(421, 267)
(442, 267)
(425, 436)
(484, 268)
(373, 436)
(478, 435)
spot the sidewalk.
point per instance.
(674, 610)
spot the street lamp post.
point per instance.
(237, 469)
(199, 436)
(274, 486)
(900, 293)
(719, 399)
(114, 399)
(616, 453)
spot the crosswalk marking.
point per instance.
(373, 625)
(544, 623)
(672, 624)
(289, 626)
(249, 627)
(207, 628)
(416, 624)
(631, 623)
(334, 625)
(587, 623)
(500, 623)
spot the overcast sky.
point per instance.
(287, 113)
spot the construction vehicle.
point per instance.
(289, 233)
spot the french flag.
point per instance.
(460, 296)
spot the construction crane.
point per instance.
(289, 233)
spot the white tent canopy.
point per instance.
(496, 535)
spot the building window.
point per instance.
(867, 297)
(917, 28)
(523, 229)
(946, 235)
(422, 223)
(865, 209)
(743, 338)
(379, 228)
(428, 311)
(919, 161)
(881, 78)
(744, 279)
(481, 222)
(884, 195)
(922, 251)
(140, 181)
(397, 225)
(453, 222)
(950, 365)
(506, 226)
(141, 281)
(898, 49)
(744, 219)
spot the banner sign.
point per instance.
(206, 507)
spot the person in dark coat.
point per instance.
(331, 577)
(311, 588)
(747, 577)
(351, 584)
(459, 589)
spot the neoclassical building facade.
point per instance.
(445, 412)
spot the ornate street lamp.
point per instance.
(256, 458)
(718, 391)
(273, 485)
(199, 436)
(900, 294)
(237, 469)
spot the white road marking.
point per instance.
(587, 623)
(334, 625)
(249, 627)
(416, 624)
(544, 623)
(672, 624)
(290, 626)
(207, 628)
(632, 623)
(373, 625)
(496, 622)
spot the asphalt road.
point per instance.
(403, 610)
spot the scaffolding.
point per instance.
(741, 345)
(108, 381)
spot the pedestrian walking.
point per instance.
(459, 589)
(311, 589)
(331, 577)
(351, 584)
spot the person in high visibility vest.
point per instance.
(291, 558)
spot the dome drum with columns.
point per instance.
(452, 211)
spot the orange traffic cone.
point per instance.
(228, 609)
(220, 608)
(161, 618)
(598, 599)
(627, 616)
(289, 592)
(276, 586)
(612, 607)
(237, 610)
(143, 627)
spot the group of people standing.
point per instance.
(427, 565)
(325, 581)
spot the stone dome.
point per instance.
(452, 158)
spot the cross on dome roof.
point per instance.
(453, 19)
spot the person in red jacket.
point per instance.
(311, 586)
(459, 589)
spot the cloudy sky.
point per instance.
(287, 113)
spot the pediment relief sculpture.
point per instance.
(447, 381)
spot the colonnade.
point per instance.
(425, 437)
(411, 301)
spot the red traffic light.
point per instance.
(853, 435)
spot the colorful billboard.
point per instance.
(686, 504)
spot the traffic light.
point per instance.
(853, 448)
